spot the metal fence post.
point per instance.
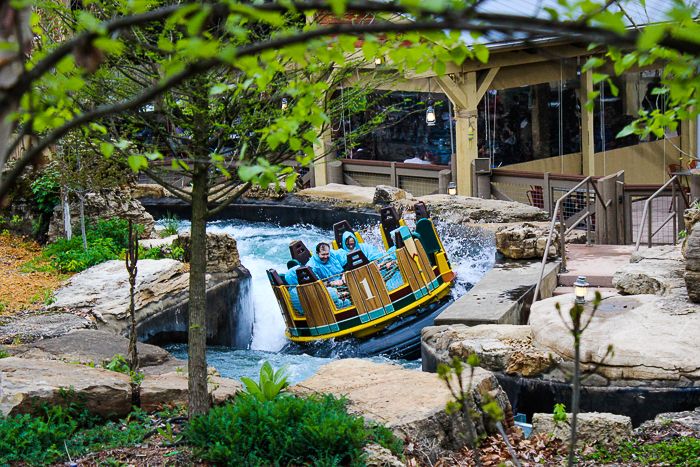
(562, 241)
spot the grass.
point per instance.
(683, 451)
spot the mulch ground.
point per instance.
(20, 287)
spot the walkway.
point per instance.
(598, 263)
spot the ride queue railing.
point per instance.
(563, 230)
(646, 214)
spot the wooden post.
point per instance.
(444, 178)
(619, 196)
(335, 172)
(547, 194)
(587, 145)
(321, 158)
(394, 178)
(608, 188)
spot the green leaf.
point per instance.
(137, 162)
(481, 52)
(107, 149)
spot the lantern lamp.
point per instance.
(452, 190)
(284, 103)
(378, 61)
(430, 116)
(580, 290)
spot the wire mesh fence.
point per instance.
(419, 186)
(370, 179)
(576, 203)
(661, 208)
(526, 194)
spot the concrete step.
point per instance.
(565, 290)
(568, 279)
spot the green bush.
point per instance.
(40, 439)
(285, 430)
(682, 451)
(171, 225)
(106, 241)
(47, 188)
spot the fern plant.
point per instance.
(270, 385)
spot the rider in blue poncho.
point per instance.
(350, 243)
(326, 262)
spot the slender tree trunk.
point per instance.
(132, 258)
(576, 395)
(66, 213)
(197, 357)
(82, 221)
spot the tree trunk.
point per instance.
(196, 356)
(66, 214)
(82, 221)
(132, 258)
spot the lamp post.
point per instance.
(580, 290)
(452, 190)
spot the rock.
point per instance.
(690, 218)
(170, 390)
(654, 338)
(222, 254)
(271, 193)
(379, 456)
(665, 252)
(116, 204)
(24, 329)
(27, 383)
(465, 210)
(692, 266)
(591, 427)
(576, 237)
(149, 190)
(384, 194)
(410, 402)
(500, 347)
(526, 241)
(97, 348)
(161, 299)
(656, 277)
(336, 195)
(149, 243)
(689, 420)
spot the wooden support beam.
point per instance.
(484, 80)
(453, 91)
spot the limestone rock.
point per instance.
(465, 210)
(526, 241)
(334, 194)
(41, 326)
(271, 193)
(654, 338)
(27, 382)
(379, 456)
(170, 390)
(690, 218)
(576, 237)
(499, 347)
(116, 204)
(656, 277)
(384, 194)
(664, 252)
(411, 403)
(98, 348)
(692, 266)
(594, 426)
(166, 242)
(689, 419)
(222, 254)
(161, 299)
(149, 190)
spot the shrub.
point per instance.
(270, 385)
(285, 430)
(682, 451)
(46, 189)
(171, 225)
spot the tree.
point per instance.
(44, 89)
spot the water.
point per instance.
(262, 245)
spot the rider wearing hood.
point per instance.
(350, 243)
(326, 262)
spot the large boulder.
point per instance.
(385, 194)
(654, 338)
(22, 329)
(591, 427)
(526, 240)
(27, 383)
(692, 266)
(410, 402)
(465, 210)
(222, 254)
(115, 204)
(171, 389)
(92, 347)
(161, 300)
(500, 347)
(649, 276)
(339, 196)
(690, 217)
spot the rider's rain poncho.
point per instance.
(332, 267)
(372, 253)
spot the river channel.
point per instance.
(263, 245)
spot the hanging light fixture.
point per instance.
(580, 290)
(452, 190)
(430, 113)
(284, 104)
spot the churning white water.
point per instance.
(263, 246)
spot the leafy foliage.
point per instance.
(253, 432)
(39, 439)
(270, 385)
(172, 225)
(106, 241)
(559, 413)
(46, 189)
(682, 451)
(120, 365)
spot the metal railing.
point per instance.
(674, 212)
(563, 230)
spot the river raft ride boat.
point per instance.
(414, 274)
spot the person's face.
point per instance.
(350, 242)
(324, 254)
